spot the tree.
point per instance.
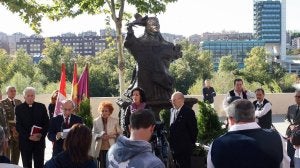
(55, 54)
(4, 62)
(256, 66)
(33, 11)
(23, 63)
(227, 64)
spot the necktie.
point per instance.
(175, 114)
(12, 103)
(67, 122)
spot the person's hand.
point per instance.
(292, 127)
(14, 131)
(105, 136)
(58, 135)
(112, 135)
(35, 137)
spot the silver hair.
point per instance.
(2, 139)
(9, 87)
(69, 100)
(27, 89)
(242, 110)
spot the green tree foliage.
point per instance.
(4, 62)
(209, 126)
(295, 35)
(193, 65)
(287, 82)
(29, 11)
(54, 55)
(19, 81)
(85, 113)
(256, 67)
(22, 63)
(227, 64)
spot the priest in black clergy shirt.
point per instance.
(28, 114)
(61, 122)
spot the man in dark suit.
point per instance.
(293, 117)
(32, 114)
(8, 106)
(60, 123)
(183, 131)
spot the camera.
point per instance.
(160, 144)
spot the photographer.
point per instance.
(135, 150)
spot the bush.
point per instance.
(164, 116)
(209, 128)
(85, 112)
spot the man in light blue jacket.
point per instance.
(135, 151)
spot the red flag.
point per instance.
(62, 94)
(83, 85)
(74, 92)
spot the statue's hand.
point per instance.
(129, 28)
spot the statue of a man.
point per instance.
(153, 55)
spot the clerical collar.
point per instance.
(29, 105)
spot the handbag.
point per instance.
(295, 135)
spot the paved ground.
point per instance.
(278, 122)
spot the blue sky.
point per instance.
(185, 17)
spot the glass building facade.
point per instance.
(238, 49)
(267, 20)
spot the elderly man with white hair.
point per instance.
(246, 144)
(32, 124)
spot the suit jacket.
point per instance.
(57, 124)
(293, 117)
(183, 131)
(8, 114)
(113, 127)
(26, 117)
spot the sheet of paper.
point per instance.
(65, 133)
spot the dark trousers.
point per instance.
(182, 160)
(35, 151)
(14, 151)
(290, 152)
(102, 158)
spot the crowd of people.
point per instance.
(24, 126)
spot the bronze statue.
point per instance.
(153, 55)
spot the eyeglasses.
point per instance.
(65, 109)
(297, 97)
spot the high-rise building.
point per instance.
(270, 25)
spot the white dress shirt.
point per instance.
(259, 112)
(285, 163)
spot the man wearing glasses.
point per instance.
(183, 131)
(60, 125)
(293, 117)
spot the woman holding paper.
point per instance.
(106, 129)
